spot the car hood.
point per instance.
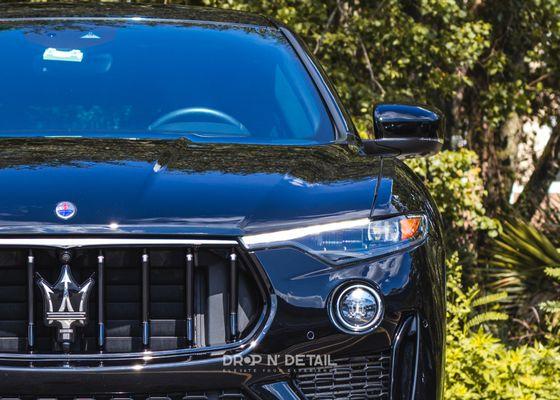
(177, 187)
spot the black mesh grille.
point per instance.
(124, 291)
(356, 378)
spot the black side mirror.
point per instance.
(405, 130)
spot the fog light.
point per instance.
(356, 308)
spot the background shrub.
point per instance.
(454, 180)
(479, 365)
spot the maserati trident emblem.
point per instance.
(65, 210)
(65, 304)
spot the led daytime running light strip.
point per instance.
(252, 241)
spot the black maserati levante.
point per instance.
(187, 212)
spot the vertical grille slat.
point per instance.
(189, 301)
(101, 300)
(30, 301)
(145, 299)
(233, 296)
(156, 298)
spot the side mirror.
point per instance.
(403, 130)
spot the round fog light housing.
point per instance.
(356, 308)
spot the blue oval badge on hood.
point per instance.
(65, 210)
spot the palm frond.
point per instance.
(552, 306)
(517, 261)
(489, 316)
(553, 272)
(489, 299)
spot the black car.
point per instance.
(187, 212)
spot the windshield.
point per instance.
(205, 82)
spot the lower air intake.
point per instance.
(356, 378)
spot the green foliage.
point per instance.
(489, 299)
(552, 307)
(520, 260)
(553, 272)
(478, 365)
(489, 316)
(453, 178)
(465, 306)
(522, 245)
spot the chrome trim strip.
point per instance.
(66, 243)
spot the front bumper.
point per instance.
(411, 334)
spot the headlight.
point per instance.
(347, 241)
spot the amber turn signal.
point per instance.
(409, 227)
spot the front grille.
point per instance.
(356, 378)
(209, 395)
(158, 296)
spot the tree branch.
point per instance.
(375, 84)
(548, 166)
(539, 79)
(327, 26)
(369, 67)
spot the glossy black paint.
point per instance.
(176, 187)
(406, 130)
(163, 188)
